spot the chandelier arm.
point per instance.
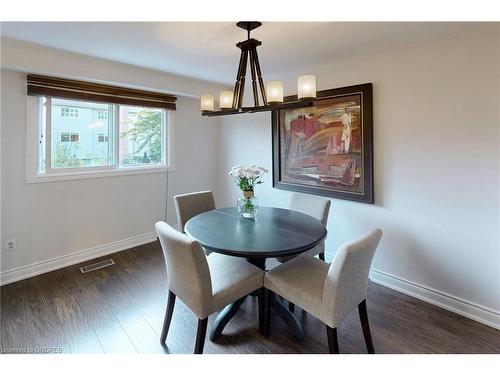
(238, 82)
(270, 107)
(254, 82)
(259, 75)
(242, 80)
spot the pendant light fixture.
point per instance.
(231, 102)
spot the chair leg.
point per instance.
(322, 256)
(200, 335)
(261, 296)
(291, 307)
(363, 316)
(168, 317)
(266, 312)
(333, 343)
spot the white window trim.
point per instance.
(32, 153)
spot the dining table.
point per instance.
(274, 232)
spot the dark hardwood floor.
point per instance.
(121, 309)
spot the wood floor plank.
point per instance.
(74, 311)
(96, 303)
(120, 309)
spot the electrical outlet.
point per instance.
(11, 244)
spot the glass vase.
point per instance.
(248, 205)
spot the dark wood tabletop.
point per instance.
(274, 232)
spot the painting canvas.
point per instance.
(325, 147)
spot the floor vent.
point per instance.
(97, 266)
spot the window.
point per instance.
(70, 137)
(70, 141)
(103, 137)
(141, 135)
(77, 129)
(69, 112)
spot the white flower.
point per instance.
(249, 176)
(236, 170)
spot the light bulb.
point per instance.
(306, 86)
(275, 92)
(207, 103)
(226, 99)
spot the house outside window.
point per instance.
(69, 112)
(70, 137)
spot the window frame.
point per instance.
(35, 144)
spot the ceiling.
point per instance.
(207, 50)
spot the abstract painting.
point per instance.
(325, 146)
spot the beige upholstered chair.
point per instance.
(204, 284)
(328, 291)
(192, 204)
(314, 206)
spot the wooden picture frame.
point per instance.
(324, 146)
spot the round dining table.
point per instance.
(274, 232)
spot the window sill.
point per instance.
(96, 174)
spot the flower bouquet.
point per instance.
(246, 178)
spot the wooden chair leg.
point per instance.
(322, 256)
(200, 335)
(266, 312)
(363, 316)
(262, 312)
(168, 317)
(333, 343)
(291, 307)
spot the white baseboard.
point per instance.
(457, 305)
(38, 268)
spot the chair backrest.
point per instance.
(347, 281)
(192, 204)
(188, 273)
(316, 207)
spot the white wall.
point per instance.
(55, 221)
(34, 58)
(436, 155)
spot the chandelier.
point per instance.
(231, 102)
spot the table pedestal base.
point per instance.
(279, 307)
(287, 316)
(224, 317)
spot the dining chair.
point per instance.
(327, 291)
(192, 204)
(204, 284)
(317, 207)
